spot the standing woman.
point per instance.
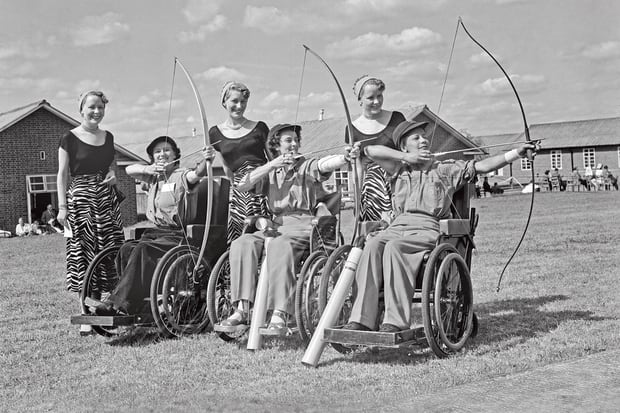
(243, 146)
(88, 206)
(374, 125)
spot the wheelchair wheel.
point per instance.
(453, 302)
(307, 294)
(164, 302)
(99, 281)
(219, 303)
(447, 301)
(184, 294)
(329, 277)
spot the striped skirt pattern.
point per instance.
(376, 193)
(243, 204)
(94, 216)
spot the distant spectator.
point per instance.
(477, 186)
(546, 180)
(486, 187)
(577, 179)
(496, 190)
(556, 175)
(35, 230)
(49, 221)
(22, 229)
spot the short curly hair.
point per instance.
(274, 138)
(97, 93)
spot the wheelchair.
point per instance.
(177, 301)
(443, 290)
(324, 239)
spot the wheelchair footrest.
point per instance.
(372, 338)
(112, 321)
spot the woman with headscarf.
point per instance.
(88, 205)
(374, 126)
(242, 143)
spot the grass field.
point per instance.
(558, 302)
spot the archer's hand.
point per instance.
(352, 153)
(283, 160)
(533, 146)
(422, 156)
(155, 169)
(208, 153)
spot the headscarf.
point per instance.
(358, 85)
(231, 85)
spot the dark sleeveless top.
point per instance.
(383, 137)
(86, 159)
(237, 151)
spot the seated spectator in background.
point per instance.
(477, 186)
(48, 219)
(22, 229)
(577, 179)
(496, 190)
(486, 187)
(35, 230)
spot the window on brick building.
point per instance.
(526, 165)
(42, 155)
(41, 183)
(556, 159)
(589, 159)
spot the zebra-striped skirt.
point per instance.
(243, 204)
(94, 216)
(376, 193)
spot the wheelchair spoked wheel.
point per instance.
(453, 302)
(447, 301)
(161, 314)
(99, 281)
(329, 276)
(219, 303)
(307, 294)
(184, 294)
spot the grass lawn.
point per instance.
(558, 302)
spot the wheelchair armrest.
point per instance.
(324, 220)
(368, 227)
(454, 227)
(135, 233)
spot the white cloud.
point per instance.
(481, 59)
(276, 99)
(198, 11)
(500, 86)
(373, 44)
(28, 49)
(269, 19)
(419, 68)
(602, 51)
(97, 30)
(221, 73)
(218, 23)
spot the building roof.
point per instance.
(11, 117)
(323, 137)
(488, 142)
(580, 133)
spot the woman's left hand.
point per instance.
(534, 146)
(352, 152)
(110, 178)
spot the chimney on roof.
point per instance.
(193, 131)
(321, 114)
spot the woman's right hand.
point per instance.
(282, 160)
(154, 169)
(62, 216)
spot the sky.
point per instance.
(562, 55)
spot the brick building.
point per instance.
(29, 138)
(566, 145)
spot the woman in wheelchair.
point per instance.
(292, 185)
(422, 195)
(137, 259)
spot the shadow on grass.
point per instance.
(509, 321)
(137, 336)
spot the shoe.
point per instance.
(353, 325)
(107, 309)
(389, 328)
(237, 318)
(278, 323)
(86, 330)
